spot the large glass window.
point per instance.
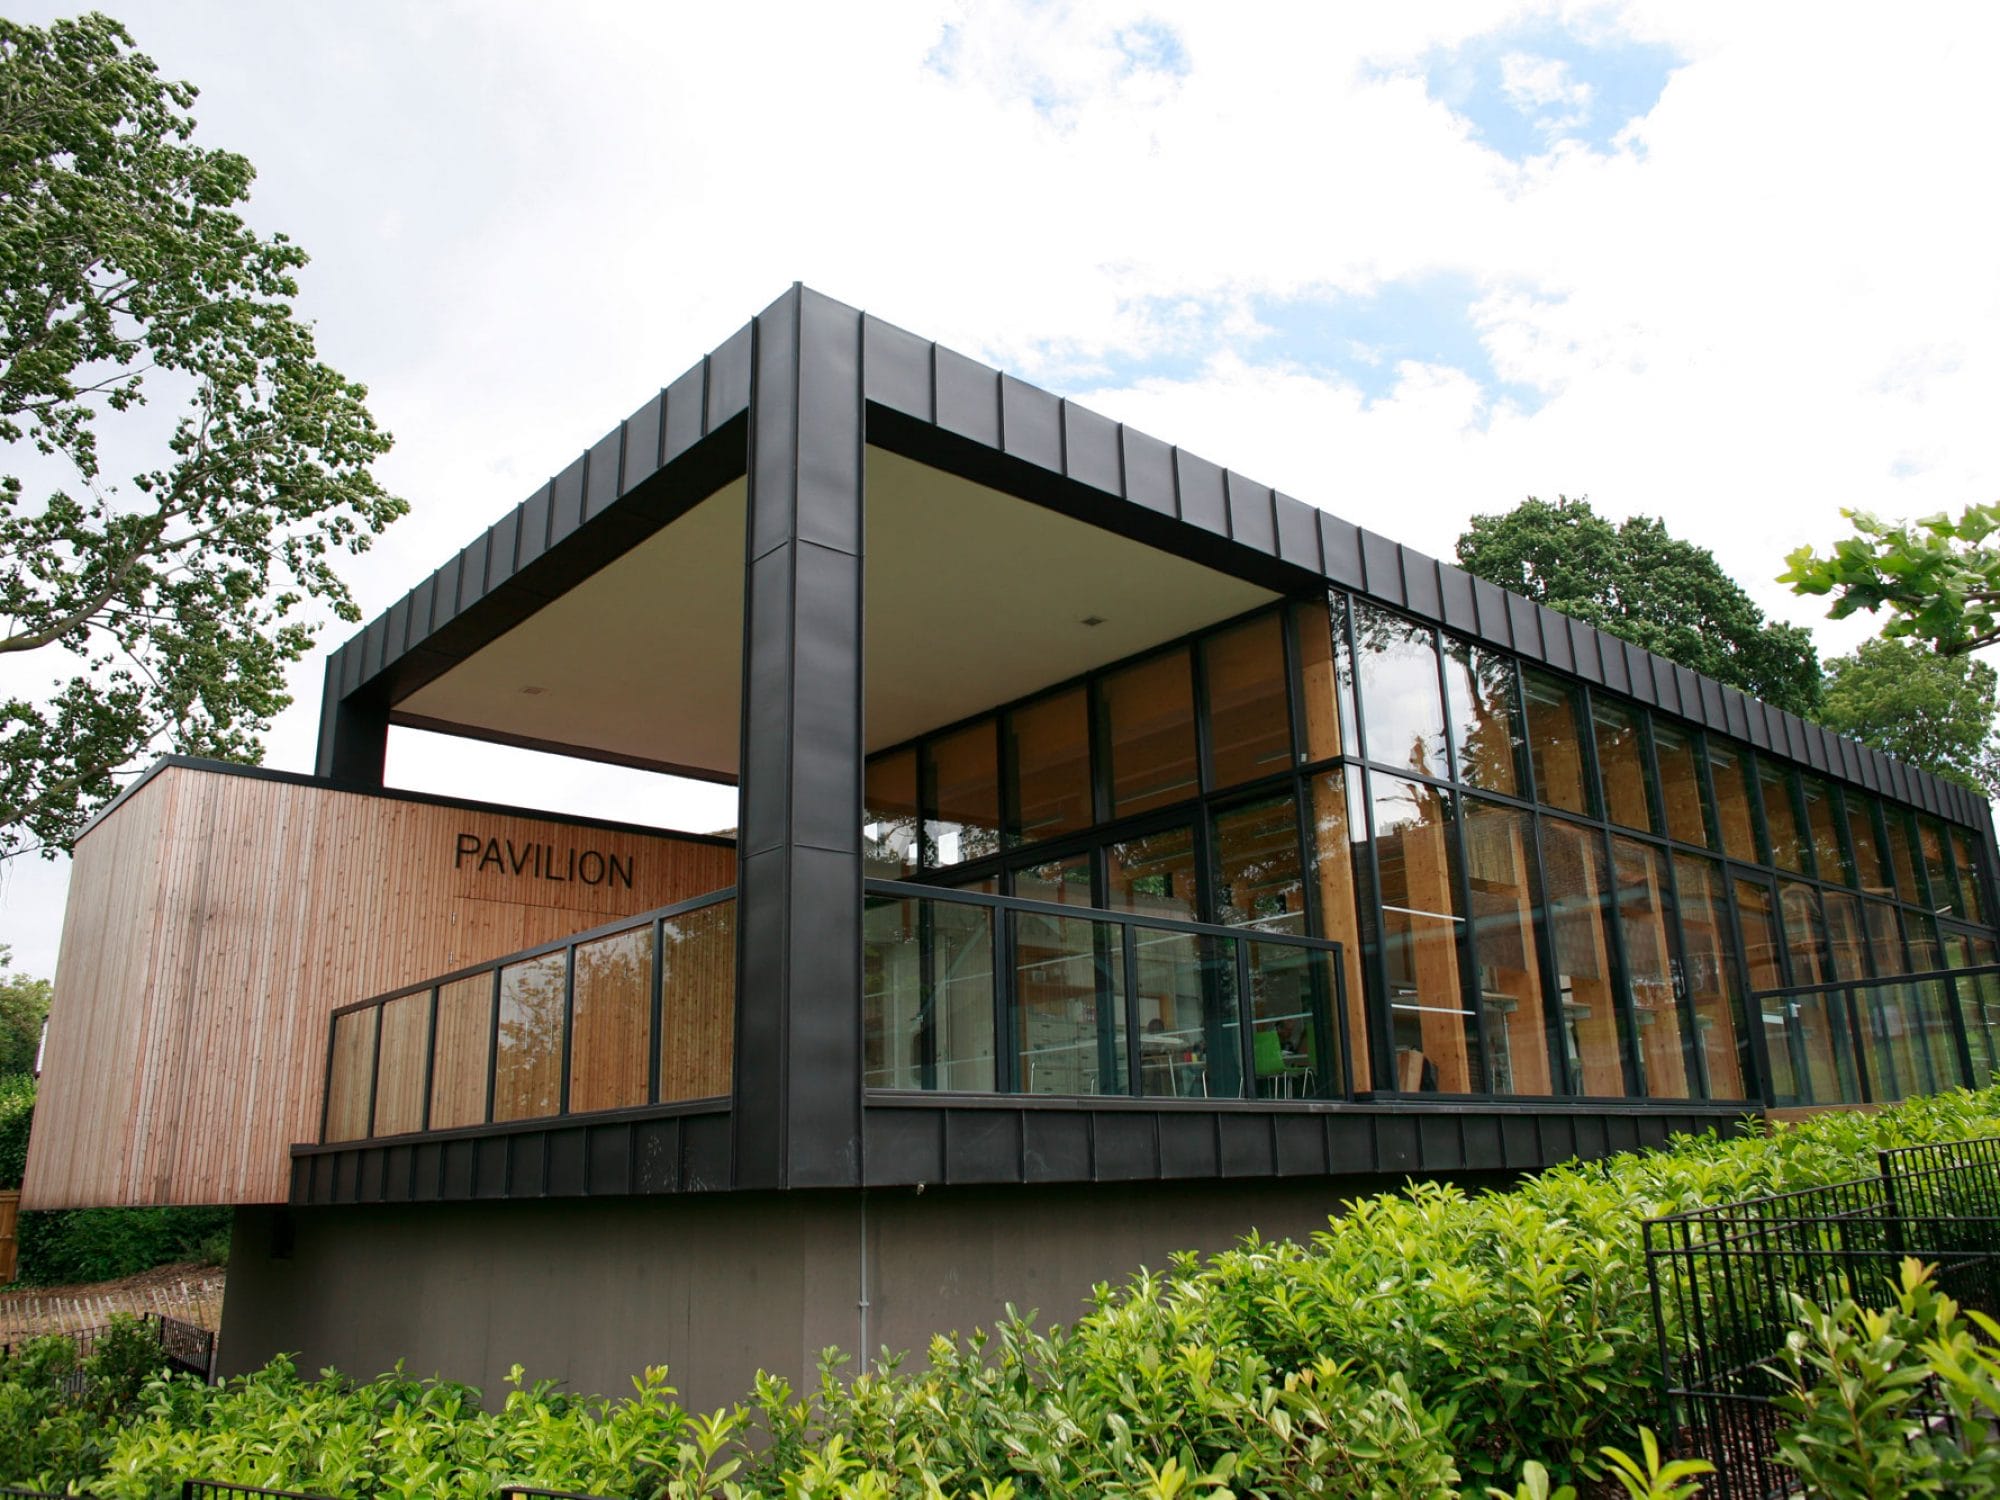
(1249, 716)
(399, 1080)
(1971, 885)
(1847, 939)
(351, 1076)
(1326, 677)
(1824, 829)
(1885, 938)
(1339, 841)
(913, 949)
(1922, 932)
(463, 1044)
(1870, 864)
(1930, 839)
(698, 1002)
(1646, 920)
(1621, 763)
(1154, 874)
(1434, 1035)
(1903, 855)
(1721, 1034)
(1500, 869)
(1735, 817)
(1258, 879)
(1683, 791)
(1820, 1039)
(1555, 740)
(1149, 733)
(1781, 818)
(611, 1034)
(1486, 729)
(1050, 740)
(1402, 715)
(889, 821)
(1063, 880)
(1189, 1031)
(962, 776)
(1763, 959)
(1579, 888)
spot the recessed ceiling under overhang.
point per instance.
(972, 598)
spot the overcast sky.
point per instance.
(1732, 265)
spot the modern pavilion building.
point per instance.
(1127, 856)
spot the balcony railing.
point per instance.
(1876, 1040)
(640, 1011)
(971, 993)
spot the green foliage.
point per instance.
(58, 1417)
(1930, 710)
(1429, 1343)
(17, 1118)
(164, 611)
(1937, 577)
(64, 1246)
(1864, 1384)
(24, 1005)
(1635, 581)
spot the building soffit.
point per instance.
(952, 412)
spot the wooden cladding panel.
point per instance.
(216, 919)
(399, 1080)
(698, 1033)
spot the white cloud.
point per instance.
(1533, 83)
(1777, 301)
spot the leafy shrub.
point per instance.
(17, 1115)
(58, 1416)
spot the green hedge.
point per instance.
(1427, 1343)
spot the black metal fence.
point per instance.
(188, 1348)
(215, 1489)
(1724, 1280)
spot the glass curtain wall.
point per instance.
(1540, 887)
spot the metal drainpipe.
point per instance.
(861, 1362)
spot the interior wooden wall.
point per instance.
(214, 922)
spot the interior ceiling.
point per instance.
(972, 598)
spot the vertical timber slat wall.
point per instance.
(216, 919)
(797, 1120)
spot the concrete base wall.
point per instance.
(716, 1288)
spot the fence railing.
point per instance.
(186, 1348)
(1877, 1040)
(636, 1012)
(967, 992)
(1724, 1279)
(216, 1489)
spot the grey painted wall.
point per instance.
(591, 1291)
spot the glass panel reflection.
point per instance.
(1434, 1036)
(527, 1074)
(611, 1036)
(1500, 869)
(1646, 920)
(1555, 741)
(1683, 792)
(1903, 855)
(1326, 676)
(399, 1084)
(1971, 886)
(351, 1076)
(1149, 718)
(962, 778)
(889, 816)
(463, 1043)
(1249, 717)
(1781, 818)
(1578, 896)
(927, 995)
(1730, 770)
(1721, 1033)
(1190, 1040)
(1757, 909)
(1051, 767)
(1829, 855)
(1294, 1049)
(1885, 940)
(1154, 874)
(1069, 999)
(1402, 713)
(1621, 763)
(1486, 729)
(1847, 940)
(1258, 881)
(1870, 863)
(1944, 894)
(698, 1002)
(1064, 881)
(1340, 843)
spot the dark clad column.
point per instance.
(353, 733)
(797, 1115)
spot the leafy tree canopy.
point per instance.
(1933, 711)
(1636, 582)
(24, 1005)
(1938, 578)
(160, 612)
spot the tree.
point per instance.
(24, 1005)
(1931, 710)
(1938, 578)
(1636, 582)
(160, 614)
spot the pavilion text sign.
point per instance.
(534, 861)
